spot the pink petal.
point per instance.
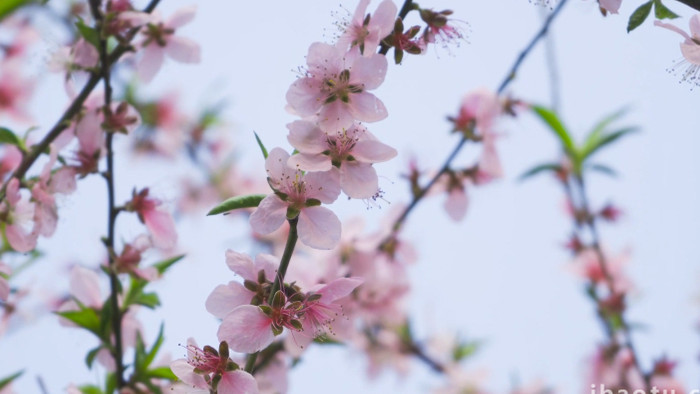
(19, 239)
(63, 181)
(305, 96)
(268, 263)
(337, 116)
(183, 50)
(325, 60)
(241, 264)
(84, 286)
(185, 372)
(456, 204)
(367, 107)
(136, 18)
(695, 26)
(319, 228)
(490, 163)
(691, 53)
(306, 137)
(225, 298)
(276, 164)
(611, 5)
(338, 288)
(181, 17)
(383, 18)
(89, 132)
(162, 228)
(269, 216)
(373, 151)
(358, 180)
(246, 329)
(237, 382)
(673, 28)
(310, 162)
(4, 289)
(324, 186)
(369, 71)
(151, 61)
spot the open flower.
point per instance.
(352, 151)
(160, 40)
(18, 214)
(336, 87)
(158, 222)
(209, 369)
(299, 195)
(366, 31)
(690, 49)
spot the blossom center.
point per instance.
(338, 87)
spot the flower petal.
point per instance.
(241, 264)
(225, 298)
(358, 180)
(269, 216)
(246, 329)
(185, 372)
(306, 137)
(319, 228)
(183, 50)
(237, 382)
(310, 162)
(367, 107)
(324, 186)
(373, 151)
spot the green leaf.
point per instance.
(249, 201)
(161, 373)
(86, 318)
(600, 126)
(89, 34)
(603, 169)
(662, 12)
(605, 140)
(149, 300)
(110, 383)
(154, 349)
(552, 120)
(8, 137)
(261, 145)
(90, 389)
(7, 7)
(464, 350)
(639, 15)
(6, 381)
(90, 358)
(538, 169)
(164, 265)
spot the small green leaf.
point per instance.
(662, 12)
(149, 300)
(161, 373)
(8, 137)
(90, 389)
(110, 383)
(86, 318)
(538, 169)
(605, 140)
(249, 201)
(154, 349)
(90, 358)
(7, 7)
(261, 145)
(5, 381)
(89, 34)
(164, 265)
(603, 169)
(552, 120)
(464, 350)
(639, 15)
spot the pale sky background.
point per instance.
(499, 275)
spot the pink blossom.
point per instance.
(158, 222)
(160, 40)
(479, 110)
(336, 87)
(299, 195)
(587, 265)
(225, 298)
(322, 307)
(690, 48)
(15, 91)
(614, 367)
(20, 231)
(130, 257)
(205, 366)
(5, 272)
(611, 6)
(366, 31)
(353, 151)
(11, 157)
(79, 56)
(440, 28)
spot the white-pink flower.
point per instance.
(366, 31)
(611, 6)
(336, 87)
(478, 109)
(161, 40)
(690, 48)
(299, 195)
(203, 366)
(352, 151)
(20, 228)
(158, 221)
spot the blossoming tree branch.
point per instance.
(303, 278)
